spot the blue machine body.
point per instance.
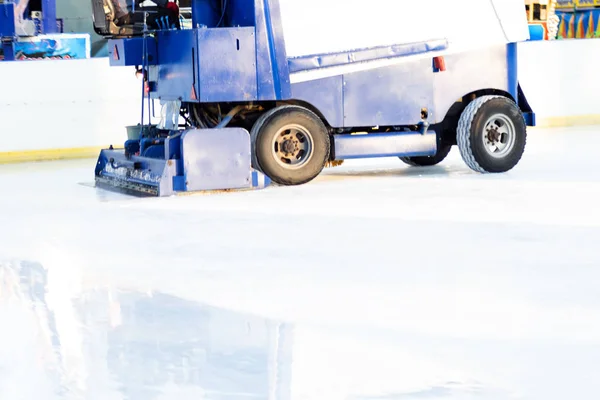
(7, 19)
(246, 61)
(194, 160)
(7, 30)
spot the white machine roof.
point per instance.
(325, 26)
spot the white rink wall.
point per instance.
(561, 80)
(66, 104)
(86, 103)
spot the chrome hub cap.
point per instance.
(499, 136)
(292, 146)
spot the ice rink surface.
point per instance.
(376, 281)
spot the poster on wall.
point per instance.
(583, 24)
(62, 46)
(579, 19)
(53, 47)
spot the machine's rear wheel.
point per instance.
(290, 145)
(428, 161)
(492, 134)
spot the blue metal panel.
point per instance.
(512, 70)
(173, 154)
(173, 150)
(215, 159)
(227, 64)
(7, 20)
(398, 144)
(310, 62)
(7, 30)
(526, 108)
(277, 48)
(392, 95)
(241, 13)
(326, 95)
(8, 48)
(179, 183)
(271, 56)
(129, 52)
(49, 24)
(204, 13)
(264, 66)
(529, 118)
(177, 69)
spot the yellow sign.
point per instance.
(562, 4)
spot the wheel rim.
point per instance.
(292, 146)
(499, 136)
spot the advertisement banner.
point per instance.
(579, 25)
(53, 47)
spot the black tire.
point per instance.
(311, 138)
(429, 161)
(476, 129)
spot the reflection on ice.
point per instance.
(134, 346)
(59, 341)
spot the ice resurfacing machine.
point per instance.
(261, 91)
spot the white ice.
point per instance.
(376, 281)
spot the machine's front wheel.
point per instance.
(290, 145)
(491, 134)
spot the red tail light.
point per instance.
(439, 63)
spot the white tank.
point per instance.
(325, 26)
